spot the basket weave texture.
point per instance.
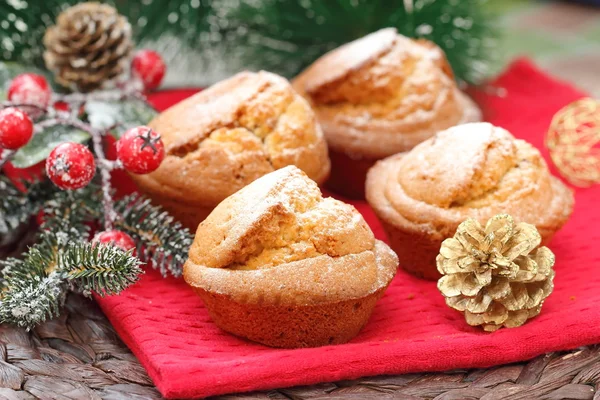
(79, 356)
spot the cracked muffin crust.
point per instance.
(225, 137)
(381, 95)
(279, 264)
(474, 170)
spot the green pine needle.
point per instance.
(16, 206)
(221, 37)
(68, 211)
(17, 270)
(39, 261)
(35, 286)
(104, 269)
(285, 36)
(27, 303)
(162, 242)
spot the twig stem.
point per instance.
(107, 200)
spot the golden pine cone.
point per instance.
(495, 275)
(89, 45)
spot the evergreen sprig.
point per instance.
(162, 241)
(18, 205)
(105, 269)
(26, 303)
(36, 286)
(62, 259)
(68, 213)
(15, 269)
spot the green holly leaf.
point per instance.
(125, 114)
(41, 144)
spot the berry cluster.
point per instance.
(72, 166)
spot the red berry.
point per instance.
(118, 238)
(62, 106)
(140, 150)
(149, 67)
(30, 89)
(70, 166)
(40, 217)
(16, 128)
(19, 176)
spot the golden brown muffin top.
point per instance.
(278, 240)
(474, 170)
(228, 135)
(383, 94)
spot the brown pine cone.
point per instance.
(493, 274)
(89, 46)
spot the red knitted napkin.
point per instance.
(411, 330)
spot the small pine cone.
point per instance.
(89, 45)
(493, 274)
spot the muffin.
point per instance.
(280, 265)
(475, 171)
(377, 96)
(225, 137)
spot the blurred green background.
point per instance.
(563, 37)
(204, 41)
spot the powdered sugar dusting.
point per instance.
(496, 174)
(284, 242)
(442, 168)
(282, 219)
(383, 94)
(252, 122)
(460, 149)
(351, 56)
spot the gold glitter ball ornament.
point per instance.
(574, 142)
(496, 275)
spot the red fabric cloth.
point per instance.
(411, 330)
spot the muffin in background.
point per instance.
(280, 265)
(225, 137)
(469, 171)
(380, 95)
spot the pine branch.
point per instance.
(14, 208)
(66, 215)
(14, 269)
(17, 206)
(39, 262)
(105, 269)
(285, 36)
(162, 242)
(33, 301)
(35, 286)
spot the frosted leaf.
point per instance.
(126, 114)
(102, 115)
(40, 146)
